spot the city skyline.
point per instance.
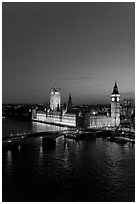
(81, 48)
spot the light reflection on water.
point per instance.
(11, 127)
(71, 171)
(39, 127)
(9, 161)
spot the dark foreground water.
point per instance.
(71, 171)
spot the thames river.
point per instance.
(93, 170)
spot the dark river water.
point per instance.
(95, 170)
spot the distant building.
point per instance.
(55, 99)
(133, 118)
(127, 108)
(128, 102)
(100, 121)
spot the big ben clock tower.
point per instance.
(115, 107)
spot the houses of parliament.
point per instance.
(58, 114)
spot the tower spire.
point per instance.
(69, 104)
(115, 89)
(70, 96)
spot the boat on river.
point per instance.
(81, 135)
(121, 139)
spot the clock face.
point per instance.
(113, 98)
(118, 99)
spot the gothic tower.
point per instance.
(115, 107)
(69, 104)
(55, 99)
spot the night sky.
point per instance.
(82, 48)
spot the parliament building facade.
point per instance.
(56, 114)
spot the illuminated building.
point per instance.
(78, 118)
(100, 121)
(115, 106)
(68, 119)
(56, 114)
(55, 99)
